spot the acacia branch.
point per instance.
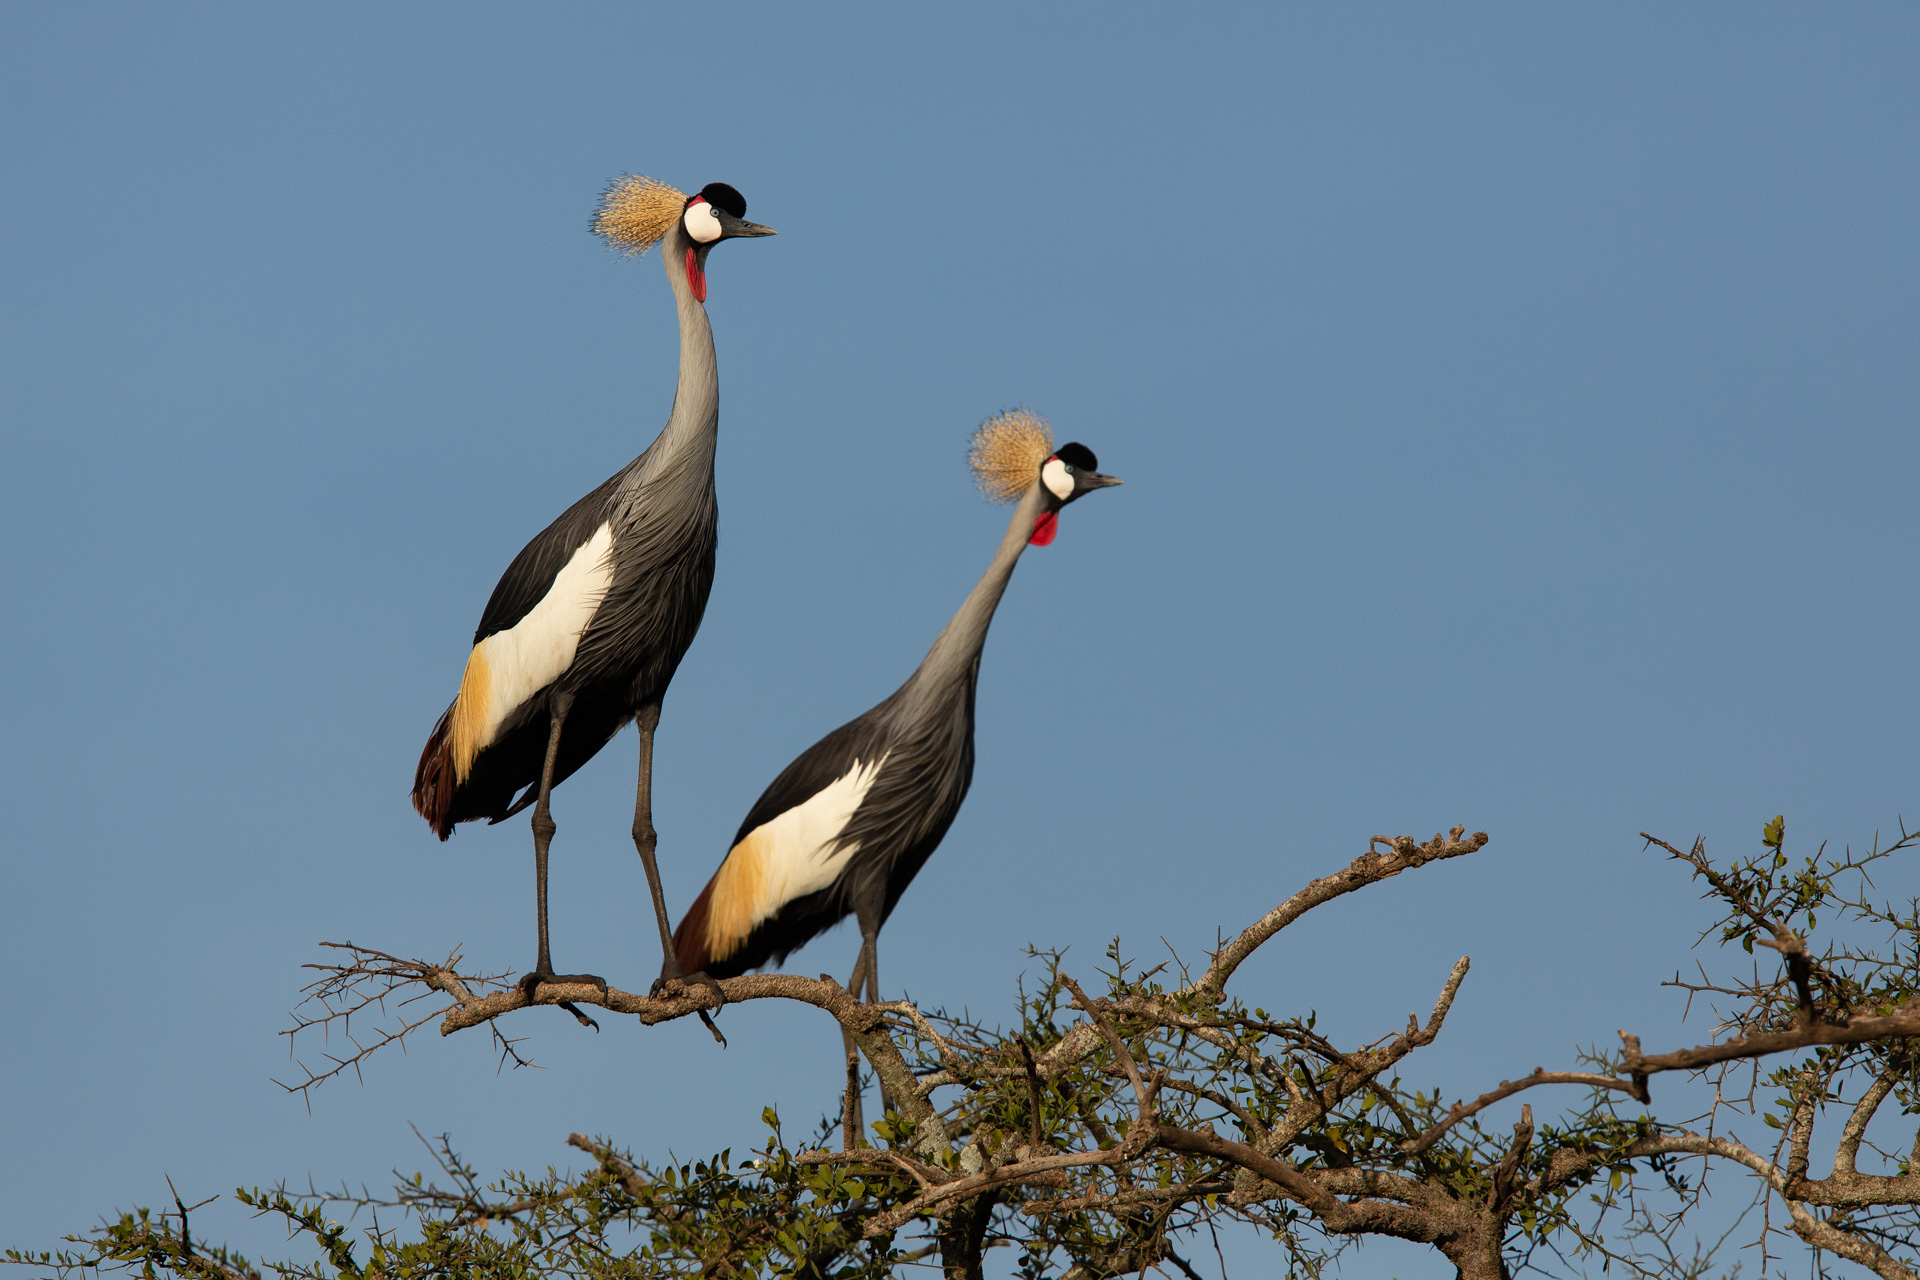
(1849, 1245)
(1036, 1093)
(1332, 1213)
(1114, 1042)
(1784, 939)
(1788, 942)
(1359, 1070)
(363, 985)
(1800, 1123)
(1403, 854)
(611, 1161)
(1901, 1023)
(1036, 1169)
(880, 1159)
(1252, 1127)
(1795, 1193)
(1509, 1164)
(1845, 1158)
(1904, 1021)
(1538, 1076)
(1855, 1191)
(371, 976)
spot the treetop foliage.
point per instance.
(1116, 1133)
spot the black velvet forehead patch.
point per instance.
(722, 196)
(1077, 456)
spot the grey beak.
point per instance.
(740, 228)
(1094, 480)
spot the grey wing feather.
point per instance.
(817, 768)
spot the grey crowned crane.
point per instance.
(844, 828)
(587, 625)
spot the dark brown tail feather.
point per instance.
(690, 939)
(433, 779)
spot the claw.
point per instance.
(530, 984)
(574, 1009)
(666, 987)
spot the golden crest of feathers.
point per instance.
(1007, 451)
(636, 212)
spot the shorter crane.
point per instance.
(844, 828)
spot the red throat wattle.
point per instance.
(696, 278)
(1044, 528)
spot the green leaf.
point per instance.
(1775, 832)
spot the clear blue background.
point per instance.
(1517, 405)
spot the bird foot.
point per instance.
(667, 987)
(529, 983)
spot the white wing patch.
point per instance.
(805, 852)
(528, 656)
(790, 856)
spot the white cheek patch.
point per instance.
(1054, 476)
(701, 223)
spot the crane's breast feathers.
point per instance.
(794, 854)
(510, 666)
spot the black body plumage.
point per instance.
(665, 535)
(928, 752)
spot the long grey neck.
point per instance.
(694, 423)
(950, 663)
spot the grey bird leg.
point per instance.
(853, 1124)
(870, 943)
(645, 838)
(559, 704)
(870, 949)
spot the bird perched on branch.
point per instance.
(589, 622)
(844, 829)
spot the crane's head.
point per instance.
(1013, 457)
(636, 212)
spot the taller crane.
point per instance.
(590, 621)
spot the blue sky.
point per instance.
(1516, 403)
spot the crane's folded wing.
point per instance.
(511, 664)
